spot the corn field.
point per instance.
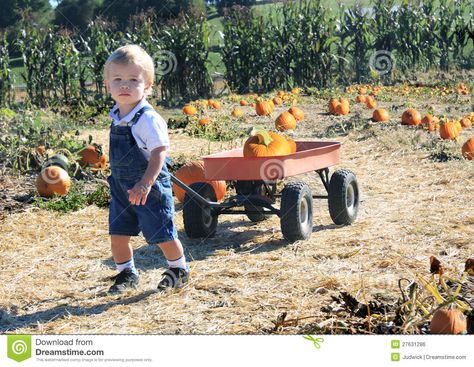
(306, 44)
(303, 43)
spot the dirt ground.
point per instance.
(55, 267)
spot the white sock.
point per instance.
(178, 263)
(130, 264)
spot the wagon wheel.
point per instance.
(343, 198)
(199, 220)
(296, 209)
(253, 188)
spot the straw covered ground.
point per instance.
(416, 202)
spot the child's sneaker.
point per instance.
(173, 278)
(124, 280)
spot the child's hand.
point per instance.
(137, 194)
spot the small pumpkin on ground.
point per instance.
(297, 113)
(342, 108)
(52, 180)
(193, 172)
(370, 102)
(237, 112)
(380, 115)
(277, 101)
(411, 117)
(285, 121)
(204, 121)
(189, 110)
(466, 122)
(361, 98)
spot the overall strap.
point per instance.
(139, 114)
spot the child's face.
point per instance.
(126, 83)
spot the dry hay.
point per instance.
(55, 267)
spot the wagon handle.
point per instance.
(194, 194)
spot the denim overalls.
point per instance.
(155, 218)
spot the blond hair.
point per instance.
(132, 54)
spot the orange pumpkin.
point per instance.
(237, 112)
(458, 125)
(411, 117)
(448, 130)
(243, 102)
(91, 156)
(266, 144)
(430, 122)
(277, 101)
(204, 121)
(448, 321)
(215, 104)
(292, 145)
(370, 102)
(285, 121)
(296, 90)
(53, 180)
(361, 98)
(342, 108)
(264, 108)
(189, 110)
(363, 90)
(297, 113)
(380, 115)
(468, 149)
(193, 172)
(466, 122)
(332, 105)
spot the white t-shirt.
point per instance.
(151, 130)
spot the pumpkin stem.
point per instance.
(264, 137)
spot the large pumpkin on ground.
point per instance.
(193, 172)
(448, 321)
(448, 130)
(468, 149)
(91, 156)
(266, 144)
(53, 180)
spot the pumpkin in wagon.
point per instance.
(266, 144)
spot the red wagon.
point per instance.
(255, 181)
